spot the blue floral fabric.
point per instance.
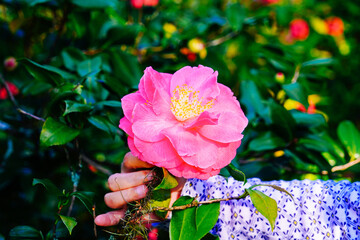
(322, 209)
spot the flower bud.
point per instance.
(169, 29)
(279, 77)
(10, 63)
(319, 25)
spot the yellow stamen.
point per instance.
(185, 103)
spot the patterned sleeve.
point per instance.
(322, 209)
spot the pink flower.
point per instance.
(299, 29)
(141, 3)
(13, 89)
(185, 122)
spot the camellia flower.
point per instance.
(146, 3)
(299, 29)
(13, 89)
(10, 63)
(269, 2)
(335, 26)
(186, 122)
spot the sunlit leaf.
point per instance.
(94, 3)
(168, 181)
(265, 205)
(182, 224)
(56, 133)
(350, 138)
(206, 217)
(69, 222)
(319, 61)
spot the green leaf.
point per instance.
(266, 141)
(25, 232)
(235, 14)
(94, 3)
(160, 198)
(88, 66)
(42, 73)
(349, 136)
(308, 120)
(72, 106)
(110, 103)
(209, 236)
(319, 61)
(182, 224)
(126, 68)
(295, 91)
(282, 120)
(251, 98)
(56, 133)
(265, 205)
(104, 124)
(206, 217)
(86, 198)
(72, 57)
(168, 181)
(236, 173)
(275, 187)
(49, 185)
(69, 222)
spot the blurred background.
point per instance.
(65, 65)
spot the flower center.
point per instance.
(185, 103)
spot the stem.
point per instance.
(195, 203)
(13, 101)
(342, 167)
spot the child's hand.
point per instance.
(128, 186)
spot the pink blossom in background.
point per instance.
(141, 3)
(13, 89)
(186, 122)
(299, 29)
(269, 2)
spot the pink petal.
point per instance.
(128, 103)
(125, 125)
(205, 118)
(147, 126)
(187, 171)
(229, 128)
(161, 105)
(133, 149)
(161, 154)
(231, 122)
(202, 79)
(153, 80)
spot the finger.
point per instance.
(122, 181)
(111, 218)
(120, 198)
(132, 163)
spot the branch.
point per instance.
(195, 203)
(96, 165)
(343, 167)
(16, 105)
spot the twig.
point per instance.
(2, 79)
(195, 203)
(95, 165)
(94, 215)
(220, 40)
(29, 114)
(343, 167)
(296, 74)
(14, 102)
